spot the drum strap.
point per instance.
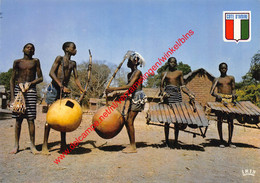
(123, 110)
(62, 80)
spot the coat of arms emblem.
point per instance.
(237, 26)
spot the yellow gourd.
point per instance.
(64, 115)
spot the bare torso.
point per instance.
(173, 78)
(26, 70)
(137, 74)
(226, 85)
(63, 73)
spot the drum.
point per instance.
(110, 125)
(64, 115)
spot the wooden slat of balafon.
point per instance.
(177, 115)
(151, 110)
(238, 110)
(163, 113)
(172, 114)
(159, 114)
(202, 116)
(178, 106)
(186, 113)
(197, 118)
(244, 112)
(247, 112)
(191, 113)
(250, 108)
(156, 113)
(217, 106)
(212, 106)
(245, 107)
(225, 109)
(254, 108)
(230, 108)
(167, 114)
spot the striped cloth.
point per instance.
(174, 94)
(30, 102)
(225, 97)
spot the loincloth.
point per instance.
(225, 97)
(173, 94)
(138, 101)
(53, 93)
(30, 102)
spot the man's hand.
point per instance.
(191, 96)
(109, 90)
(11, 103)
(218, 98)
(27, 86)
(66, 90)
(234, 97)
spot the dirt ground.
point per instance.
(100, 160)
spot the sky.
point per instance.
(111, 27)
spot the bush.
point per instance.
(250, 92)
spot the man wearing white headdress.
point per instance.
(138, 98)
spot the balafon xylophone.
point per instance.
(180, 112)
(243, 111)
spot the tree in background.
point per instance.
(99, 76)
(255, 66)
(155, 80)
(249, 88)
(250, 92)
(5, 79)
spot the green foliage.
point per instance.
(249, 88)
(155, 80)
(250, 92)
(185, 68)
(253, 75)
(255, 66)
(5, 78)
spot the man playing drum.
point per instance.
(60, 73)
(137, 101)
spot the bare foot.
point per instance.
(34, 150)
(129, 149)
(15, 150)
(45, 151)
(232, 146)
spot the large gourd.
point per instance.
(111, 125)
(64, 115)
